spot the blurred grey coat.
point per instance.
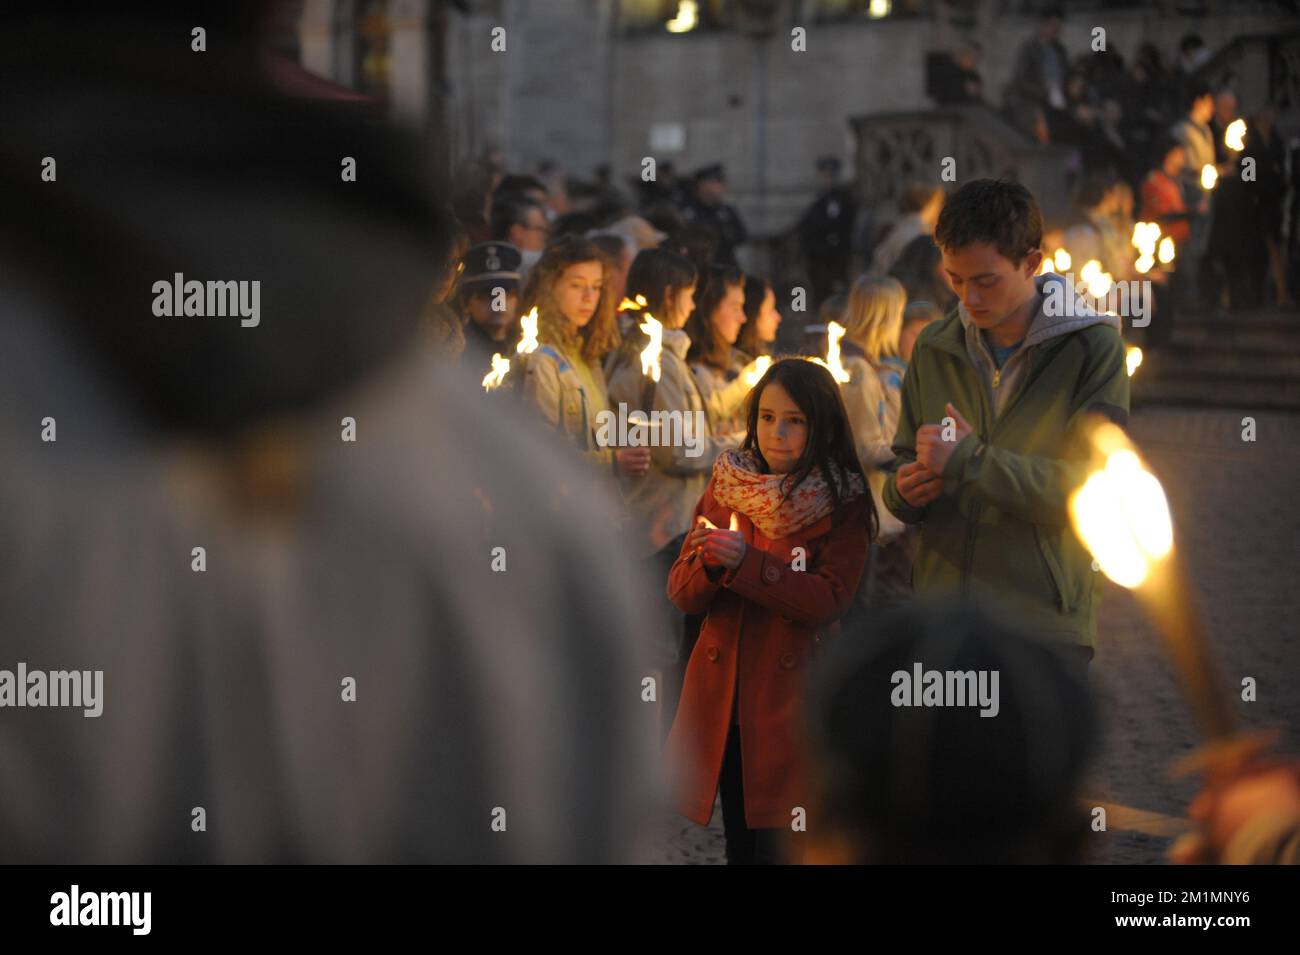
(481, 695)
(475, 689)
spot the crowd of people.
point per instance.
(821, 492)
(1150, 128)
(1147, 127)
(200, 528)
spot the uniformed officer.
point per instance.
(489, 300)
(709, 209)
(826, 230)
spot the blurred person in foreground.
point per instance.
(904, 783)
(346, 678)
(1253, 818)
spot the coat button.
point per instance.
(712, 654)
(787, 661)
(771, 574)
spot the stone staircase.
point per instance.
(1248, 360)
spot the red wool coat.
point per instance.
(763, 622)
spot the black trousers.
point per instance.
(745, 846)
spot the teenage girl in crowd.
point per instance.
(869, 351)
(770, 590)
(575, 329)
(758, 334)
(720, 370)
(662, 501)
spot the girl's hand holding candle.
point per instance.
(718, 547)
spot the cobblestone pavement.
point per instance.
(1237, 524)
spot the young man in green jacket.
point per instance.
(989, 402)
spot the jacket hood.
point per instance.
(1054, 317)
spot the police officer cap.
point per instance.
(492, 263)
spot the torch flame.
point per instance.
(1144, 264)
(1166, 250)
(654, 329)
(1209, 176)
(1061, 259)
(627, 303)
(1121, 515)
(528, 343)
(1133, 358)
(494, 377)
(685, 19)
(761, 364)
(1234, 135)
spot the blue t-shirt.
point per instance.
(1000, 355)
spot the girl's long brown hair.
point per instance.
(756, 290)
(600, 335)
(707, 345)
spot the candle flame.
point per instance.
(627, 303)
(1061, 259)
(1133, 358)
(734, 525)
(1097, 282)
(497, 375)
(1209, 176)
(1166, 250)
(528, 343)
(1145, 235)
(834, 332)
(1234, 135)
(654, 329)
(760, 366)
(1144, 264)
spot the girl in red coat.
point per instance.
(780, 539)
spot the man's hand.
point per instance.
(931, 448)
(917, 484)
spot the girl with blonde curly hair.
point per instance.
(570, 289)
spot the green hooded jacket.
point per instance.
(1001, 527)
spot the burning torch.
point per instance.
(1121, 515)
